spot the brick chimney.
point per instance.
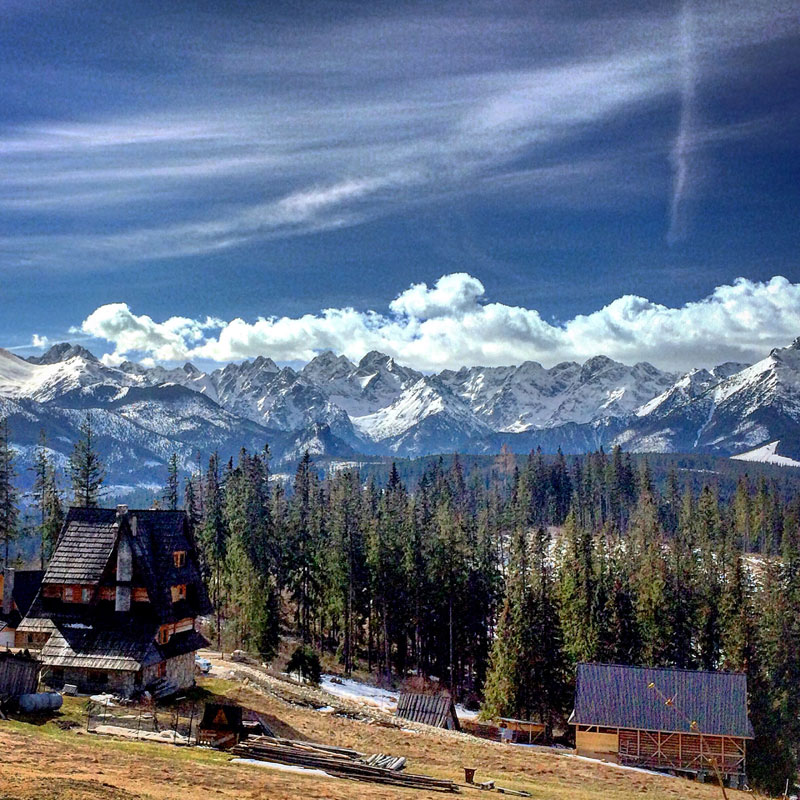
(124, 565)
(8, 590)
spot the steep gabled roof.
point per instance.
(88, 542)
(84, 546)
(616, 696)
(159, 534)
(127, 649)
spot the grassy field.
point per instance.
(51, 760)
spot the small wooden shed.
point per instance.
(666, 719)
(221, 725)
(19, 674)
(437, 710)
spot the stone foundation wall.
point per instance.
(92, 681)
(180, 670)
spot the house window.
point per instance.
(86, 594)
(68, 593)
(178, 592)
(161, 669)
(163, 634)
(179, 557)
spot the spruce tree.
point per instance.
(9, 512)
(171, 491)
(85, 468)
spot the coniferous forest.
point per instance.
(498, 582)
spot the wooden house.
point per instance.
(118, 606)
(666, 719)
(430, 709)
(18, 589)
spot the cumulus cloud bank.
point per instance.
(452, 324)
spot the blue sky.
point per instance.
(262, 162)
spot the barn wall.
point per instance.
(597, 745)
(686, 751)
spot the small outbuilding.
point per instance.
(684, 721)
(437, 710)
(19, 674)
(221, 725)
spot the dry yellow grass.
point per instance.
(44, 762)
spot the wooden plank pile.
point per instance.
(339, 762)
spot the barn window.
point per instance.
(179, 557)
(178, 592)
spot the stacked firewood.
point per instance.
(339, 762)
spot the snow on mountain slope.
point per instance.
(766, 454)
(702, 411)
(426, 418)
(50, 379)
(375, 383)
(515, 399)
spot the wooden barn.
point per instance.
(666, 719)
(118, 605)
(18, 588)
(437, 710)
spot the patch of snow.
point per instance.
(384, 699)
(349, 689)
(619, 766)
(766, 455)
(281, 767)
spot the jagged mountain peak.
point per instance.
(62, 351)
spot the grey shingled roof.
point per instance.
(126, 650)
(616, 696)
(84, 547)
(87, 544)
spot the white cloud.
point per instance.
(39, 341)
(451, 325)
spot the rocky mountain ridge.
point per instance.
(378, 407)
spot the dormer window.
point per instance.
(178, 592)
(179, 557)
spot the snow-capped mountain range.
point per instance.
(377, 407)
